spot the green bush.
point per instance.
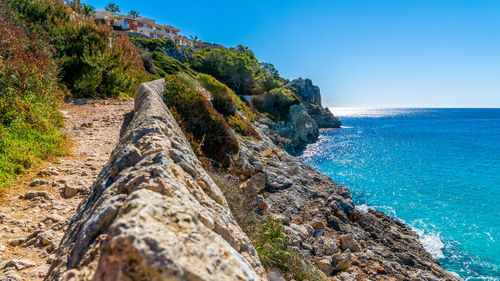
(272, 247)
(199, 118)
(276, 103)
(222, 99)
(29, 118)
(94, 62)
(166, 65)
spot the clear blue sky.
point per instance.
(378, 53)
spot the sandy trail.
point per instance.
(35, 212)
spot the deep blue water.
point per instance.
(438, 170)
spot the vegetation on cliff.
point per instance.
(204, 126)
(28, 99)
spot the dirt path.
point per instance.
(35, 212)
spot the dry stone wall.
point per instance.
(154, 213)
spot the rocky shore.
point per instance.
(154, 213)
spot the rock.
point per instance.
(34, 194)
(15, 242)
(51, 171)
(325, 246)
(87, 125)
(40, 238)
(310, 97)
(255, 184)
(4, 218)
(325, 265)
(274, 274)
(347, 242)
(16, 264)
(10, 276)
(341, 262)
(306, 130)
(68, 191)
(39, 182)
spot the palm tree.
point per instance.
(134, 13)
(112, 7)
(88, 9)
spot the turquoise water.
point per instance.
(438, 170)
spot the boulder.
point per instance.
(347, 242)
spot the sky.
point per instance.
(361, 53)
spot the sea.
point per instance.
(435, 169)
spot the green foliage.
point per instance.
(112, 7)
(29, 118)
(154, 45)
(229, 105)
(276, 103)
(234, 67)
(239, 69)
(273, 246)
(189, 81)
(165, 65)
(273, 250)
(201, 120)
(94, 62)
(134, 13)
(222, 99)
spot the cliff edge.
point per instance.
(310, 97)
(154, 213)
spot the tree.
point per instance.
(88, 9)
(112, 7)
(134, 13)
(194, 39)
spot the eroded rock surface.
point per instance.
(322, 222)
(310, 96)
(154, 213)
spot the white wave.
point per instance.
(432, 243)
(363, 208)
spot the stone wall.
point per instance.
(154, 213)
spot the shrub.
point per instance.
(222, 99)
(227, 103)
(272, 247)
(29, 118)
(234, 67)
(94, 62)
(201, 120)
(276, 102)
(166, 65)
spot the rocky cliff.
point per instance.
(154, 213)
(324, 225)
(310, 96)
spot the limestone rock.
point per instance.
(35, 193)
(39, 182)
(310, 96)
(325, 265)
(16, 264)
(341, 262)
(347, 242)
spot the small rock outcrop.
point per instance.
(154, 213)
(310, 97)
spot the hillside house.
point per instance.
(143, 26)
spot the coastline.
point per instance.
(421, 167)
